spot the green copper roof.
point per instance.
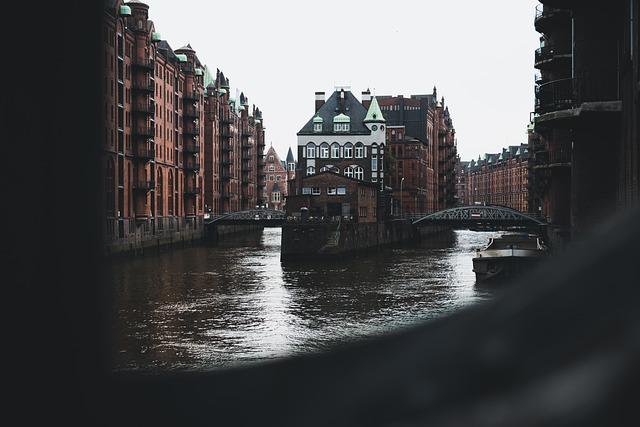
(317, 119)
(500, 157)
(341, 118)
(182, 57)
(374, 114)
(223, 91)
(208, 78)
(156, 37)
(199, 72)
(125, 10)
(258, 121)
(241, 108)
(518, 153)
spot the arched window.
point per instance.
(348, 172)
(330, 168)
(359, 151)
(159, 194)
(348, 150)
(109, 183)
(324, 151)
(170, 192)
(311, 170)
(335, 150)
(358, 173)
(311, 150)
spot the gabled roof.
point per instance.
(352, 108)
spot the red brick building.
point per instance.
(500, 179)
(234, 143)
(428, 169)
(152, 129)
(329, 195)
(408, 173)
(277, 175)
(156, 135)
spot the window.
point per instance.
(374, 162)
(348, 172)
(358, 173)
(348, 150)
(341, 127)
(278, 177)
(311, 170)
(315, 191)
(335, 151)
(324, 151)
(271, 158)
(311, 151)
(341, 191)
(292, 167)
(331, 191)
(275, 196)
(363, 211)
(317, 127)
(270, 177)
(359, 151)
(330, 168)
(306, 190)
(272, 168)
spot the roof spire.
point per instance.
(374, 115)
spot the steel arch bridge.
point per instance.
(487, 215)
(265, 217)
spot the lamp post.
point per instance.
(401, 181)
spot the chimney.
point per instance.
(319, 100)
(366, 98)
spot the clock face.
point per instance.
(374, 128)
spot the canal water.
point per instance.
(205, 307)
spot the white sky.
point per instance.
(479, 55)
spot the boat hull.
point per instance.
(494, 265)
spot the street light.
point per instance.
(401, 181)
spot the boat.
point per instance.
(507, 256)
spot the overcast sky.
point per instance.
(479, 55)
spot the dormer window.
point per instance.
(341, 123)
(317, 124)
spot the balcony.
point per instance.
(553, 158)
(226, 147)
(146, 64)
(192, 165)
(144, 151)
(144, 87)
(191, 111)
(555, 95)
(144, 108)
(191, 130)
(546, 56)
(225, 133)
(143, 186)
(546, 17)
(144, 131)
(191, 147)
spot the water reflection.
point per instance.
(208, 307)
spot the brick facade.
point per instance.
(329, 195)
(499, 179)
(159, 125)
